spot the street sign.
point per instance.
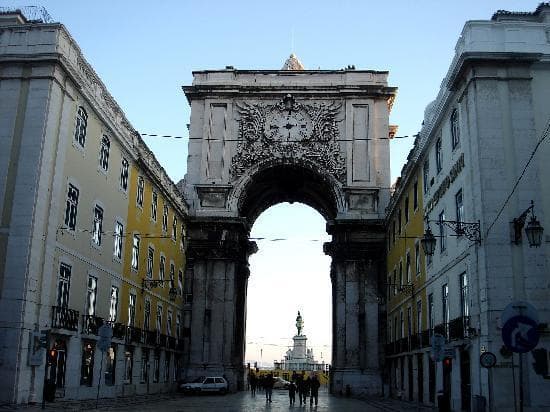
(487, 359)
(520, 334)
(105, 333)
(519, 308)
(438, 347)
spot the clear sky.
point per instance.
(144, 51)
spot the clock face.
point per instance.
(289, 127)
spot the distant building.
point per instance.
(300, 358)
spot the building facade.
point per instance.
(482, 158)
(68, 218)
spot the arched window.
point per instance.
(455, 129)
(81, 125)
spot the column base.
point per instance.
(356, 383)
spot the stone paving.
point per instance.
(242, 401)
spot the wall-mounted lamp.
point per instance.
(428, 242)
(148, 284)
(533, 230)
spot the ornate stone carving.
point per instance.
(289, 131)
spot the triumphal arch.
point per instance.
(261, 137)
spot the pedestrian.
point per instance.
(314, 387)
(268, 383)
(253, 382)
(307, 386)
(299, 387)
(302, 388)
(292, 393)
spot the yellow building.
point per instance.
(154, 263)
(407, 360)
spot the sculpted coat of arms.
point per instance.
(289, 131)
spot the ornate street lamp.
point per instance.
(428, 242)
(533, 230)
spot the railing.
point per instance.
(442, 329)
(119, 330)
(179, 345)
(64, 318)
(403, 345)
(458, 328)
(425, 338)
(133, 335)
(91, 324)
(151, 337)
(415, 341)
(162, 340)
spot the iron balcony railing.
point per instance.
(91, 324)
(64, 318)
(171, 342)
(458, 328)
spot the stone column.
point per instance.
(357, 256)
(218, 253)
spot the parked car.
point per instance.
(205, 384)
(280, 383)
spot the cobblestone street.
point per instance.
(241, 401)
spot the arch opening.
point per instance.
(288, 183)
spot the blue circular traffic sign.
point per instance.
(520, 334)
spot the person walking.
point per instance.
(253, 383)
(314, 388)
(300, 387)
(268, 383)
(292, 393)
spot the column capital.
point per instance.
(355, 239)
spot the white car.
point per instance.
(205, 384)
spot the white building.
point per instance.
(478, 138)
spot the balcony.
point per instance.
(133, 335)
(458, 328)
(119, 330)
(425, 339)
(151, 337)
(442, 329)
(162, 340)
(91, 324)
(171, 342)
(64, 318)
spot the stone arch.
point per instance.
(274, 182)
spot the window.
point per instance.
(166, 366)
(97, 226)
(440, 220)
(464, 295)
(71, 208)
(402, 325)
(140, 189)
(165, 218)
(445, 306)
(169, 323)
(87, 364)
(156, 367)
(431, 311)
(150, 261)
(459, 209)
(408, 267)
(417, 258)
(407, 209)
(154, 202)
(455, 129)
(147, 315)
(180, 282)
(393, 230)
(135, 253)
(63, 286)
(119, 233)
(174, 228)
(111, 365)
(132, 310)
(91, 296)
(128, 365)
(409, 321)
(161, 268)
(426, 175)
(419, 316)
(395, 326)
(159, 318)
(400, 275)
(124, 168)
(438, 155)
(104, 153)
(81, 125)
(113, 309)
(415, 195)
(172, 274)
(144, 365)
(394, 282)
